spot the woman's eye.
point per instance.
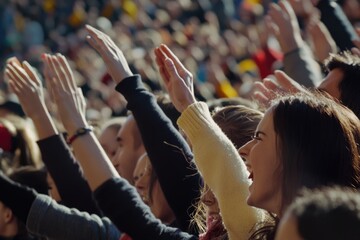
(255, 138)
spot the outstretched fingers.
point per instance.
(160, 61)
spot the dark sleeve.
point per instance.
(67, 174)
(119, 201)
(16, 197)
(337, 23)
(168, 151)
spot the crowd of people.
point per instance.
(196, 119)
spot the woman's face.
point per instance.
(108, 141)
(262, 160)
(212, 207)
(158, 204)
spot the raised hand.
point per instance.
(269, 88)
(282, 22)
(67, 96)
(113, 57)
(303, 8)
(27, 86)
(178, 80)
(323, 43)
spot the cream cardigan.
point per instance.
(222, 169)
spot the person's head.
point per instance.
(239, 123)
(328, 213)
(342, 81)
(108, 133)
(130, 148)
(304, 140)
(148, 186)
(17, 144)
(8, 222)
(31, 177)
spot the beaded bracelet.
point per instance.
(81, 131)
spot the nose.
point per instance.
(208, 198)
(114, 159)
(244, 152)
(139, 184)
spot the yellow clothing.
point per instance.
(222, 169)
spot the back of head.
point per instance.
(317, 143)
(21, 141)
(31, 177)
(328, 213)
(349, 87)
(164, 102)
(238, 122)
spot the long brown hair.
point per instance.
(317, 140)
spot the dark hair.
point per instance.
(317, 144)
(164, 102)
(327, 213)
(349, 86)
(24, 150)
(31, 177)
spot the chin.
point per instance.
(250, 201)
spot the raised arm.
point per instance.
(44, 217)
(298, 61)
(56, 155)
(215, 156)
(337, 23)
(169, 153)
(116, 197)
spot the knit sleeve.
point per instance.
(168, 151)
(222, 169)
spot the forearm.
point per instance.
(301, 67)
(337, 23)
(74, 189)
(54, 221)
(121, 203)
(94, 161)
(216, 157)
(43, 123)
(168, 151)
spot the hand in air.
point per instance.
(178, 80)
(113, 57)
(68, 97)
(27, 86)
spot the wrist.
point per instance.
(74, 126)
(78, 133)
(120, 78)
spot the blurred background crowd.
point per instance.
(224, 43)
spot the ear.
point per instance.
(8, 215)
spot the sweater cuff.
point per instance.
(129, 83)
(194, 118)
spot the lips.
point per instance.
(251, 176)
